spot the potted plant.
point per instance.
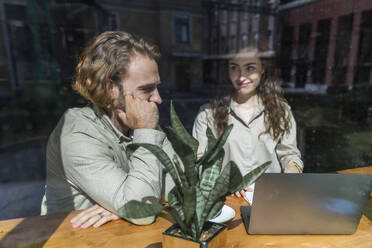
(201, 187)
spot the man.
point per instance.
(86, 160)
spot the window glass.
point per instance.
(318, 51)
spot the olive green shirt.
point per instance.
(86, 164)
(244, 146)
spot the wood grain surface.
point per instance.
(56, 231)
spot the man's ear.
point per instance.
(112, 88)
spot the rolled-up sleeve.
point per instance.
(92, 166)
(286, 149)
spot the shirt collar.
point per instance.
(106, 121)
(260, 108)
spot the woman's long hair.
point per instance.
(276, 112)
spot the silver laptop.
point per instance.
(307, 203)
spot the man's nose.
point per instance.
(155, 97)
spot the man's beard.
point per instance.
(119, 103)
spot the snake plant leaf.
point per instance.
(221, 189)
(160, 154)
(189, 204)
(207, 184)
(181, 130)
(224, 181)
(175, 200)
(198, 223)
(180, 172)
(136, 209)
(251, 177)
(210, 175)
(194, 227)
(200, 203)
(216, 160)
(211, 138)
(174, 213)
(235, 175)
(186, 155)
(216, 208)
(213, 152)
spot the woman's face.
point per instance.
(245, 71)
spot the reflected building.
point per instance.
(232, 25)
(42, 39)
(325, 44)
(177, 27)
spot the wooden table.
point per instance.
(56, 231)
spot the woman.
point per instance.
(264, 127)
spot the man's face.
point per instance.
(141, 81)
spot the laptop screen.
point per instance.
(309, 203)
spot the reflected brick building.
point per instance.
(325, 43)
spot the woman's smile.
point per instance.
(244, 84)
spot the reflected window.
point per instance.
(343, 41)
(223, 16)
(255, 38)
(285, 58)
(20, 45)
(223, 45)
(363, 70)
(233, 44)
(269, 37)
(234, 16)
(245, 15)
(302, 63)
(215, 17)
(182, 29)
(244, 41)
(258, 8)
(215, 46)
(321, 51)
(113, 21)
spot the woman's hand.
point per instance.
(292, 167)
(95, 215)
(241, 193)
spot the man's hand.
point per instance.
(95, 216)
(139, 114)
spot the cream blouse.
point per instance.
(244, 145)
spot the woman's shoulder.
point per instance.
(205, 112)
(287, 107)
(207, 107)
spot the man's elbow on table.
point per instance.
(142, 221)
